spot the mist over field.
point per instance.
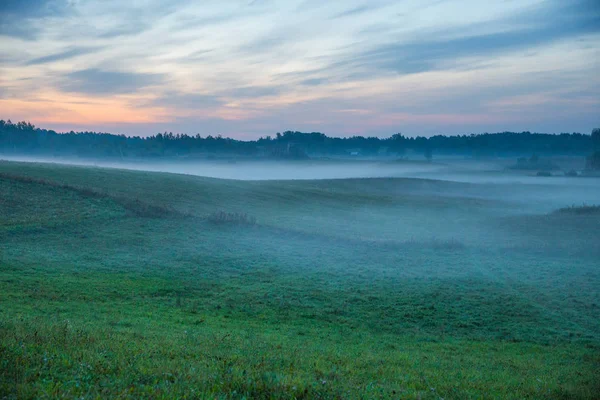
(299, 267)
(494, 180)
(312, 270)
(264, 170)
(299, 199)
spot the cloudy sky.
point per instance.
(251, 68)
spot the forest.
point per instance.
(25, 138)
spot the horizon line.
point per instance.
(272, 136)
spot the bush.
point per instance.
(579, 210)
(145, 210)
(593, 161)
(222, 217)
(543, 173)
(534, 163)
(572, 173)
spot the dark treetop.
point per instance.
(25, 139)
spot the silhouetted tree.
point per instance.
(25, 138)
(428, 153)
(596, 138)
(593, 161)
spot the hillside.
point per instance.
(117, 283)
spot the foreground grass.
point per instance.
(101, 298)
(129, 335)
(130, 357)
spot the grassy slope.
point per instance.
(346, 288)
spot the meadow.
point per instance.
(125, 284)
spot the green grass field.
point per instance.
(115, 283)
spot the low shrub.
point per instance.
(579, 210)
(534, 163)
(145, 210)
(233, 218)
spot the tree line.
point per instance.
(25, 138)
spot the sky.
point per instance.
(252, 68)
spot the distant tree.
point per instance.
(428, 153)
(596, 138)
(23, 137)
(398, 143)
(593, 161)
